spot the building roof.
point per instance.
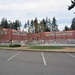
(5, 29)
(59, 32)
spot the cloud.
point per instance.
(32, 5)
(29, 9)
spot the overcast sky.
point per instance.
(29, 9)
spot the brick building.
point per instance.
(13, 35)
(16, 35)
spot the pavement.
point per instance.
(36, 63)
(25, 61)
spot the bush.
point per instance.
(15, 45)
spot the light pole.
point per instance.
(55, 35)
(41, 35)
(10, 33)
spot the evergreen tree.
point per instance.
(48, 24)
(73, 24)
(28, 23)
(36, 25)
(67, 28)
(16, 25)
(54, 21)
(4, 23)
(25, 26)
(44, 24)
(46, 20)
(54, 24)
(32, 23)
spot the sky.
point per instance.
(23, 10)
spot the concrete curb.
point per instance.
(39, 50)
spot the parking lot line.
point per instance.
(70, 55)
(43, 59)
(14, 56)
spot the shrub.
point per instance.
(15, 45)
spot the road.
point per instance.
(36, 63)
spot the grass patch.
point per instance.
(4, 46)
(34, 47)
(10, 46)
(46, 47)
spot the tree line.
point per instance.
(6, 24)
(34, 26)
(43, 25)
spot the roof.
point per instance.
(4, 29)
(9, 29)
(59, 31)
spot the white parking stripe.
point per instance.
(14, 56)
(70, 55)
(43, 59)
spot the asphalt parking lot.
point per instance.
(36, 63)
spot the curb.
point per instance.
(38, 50)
